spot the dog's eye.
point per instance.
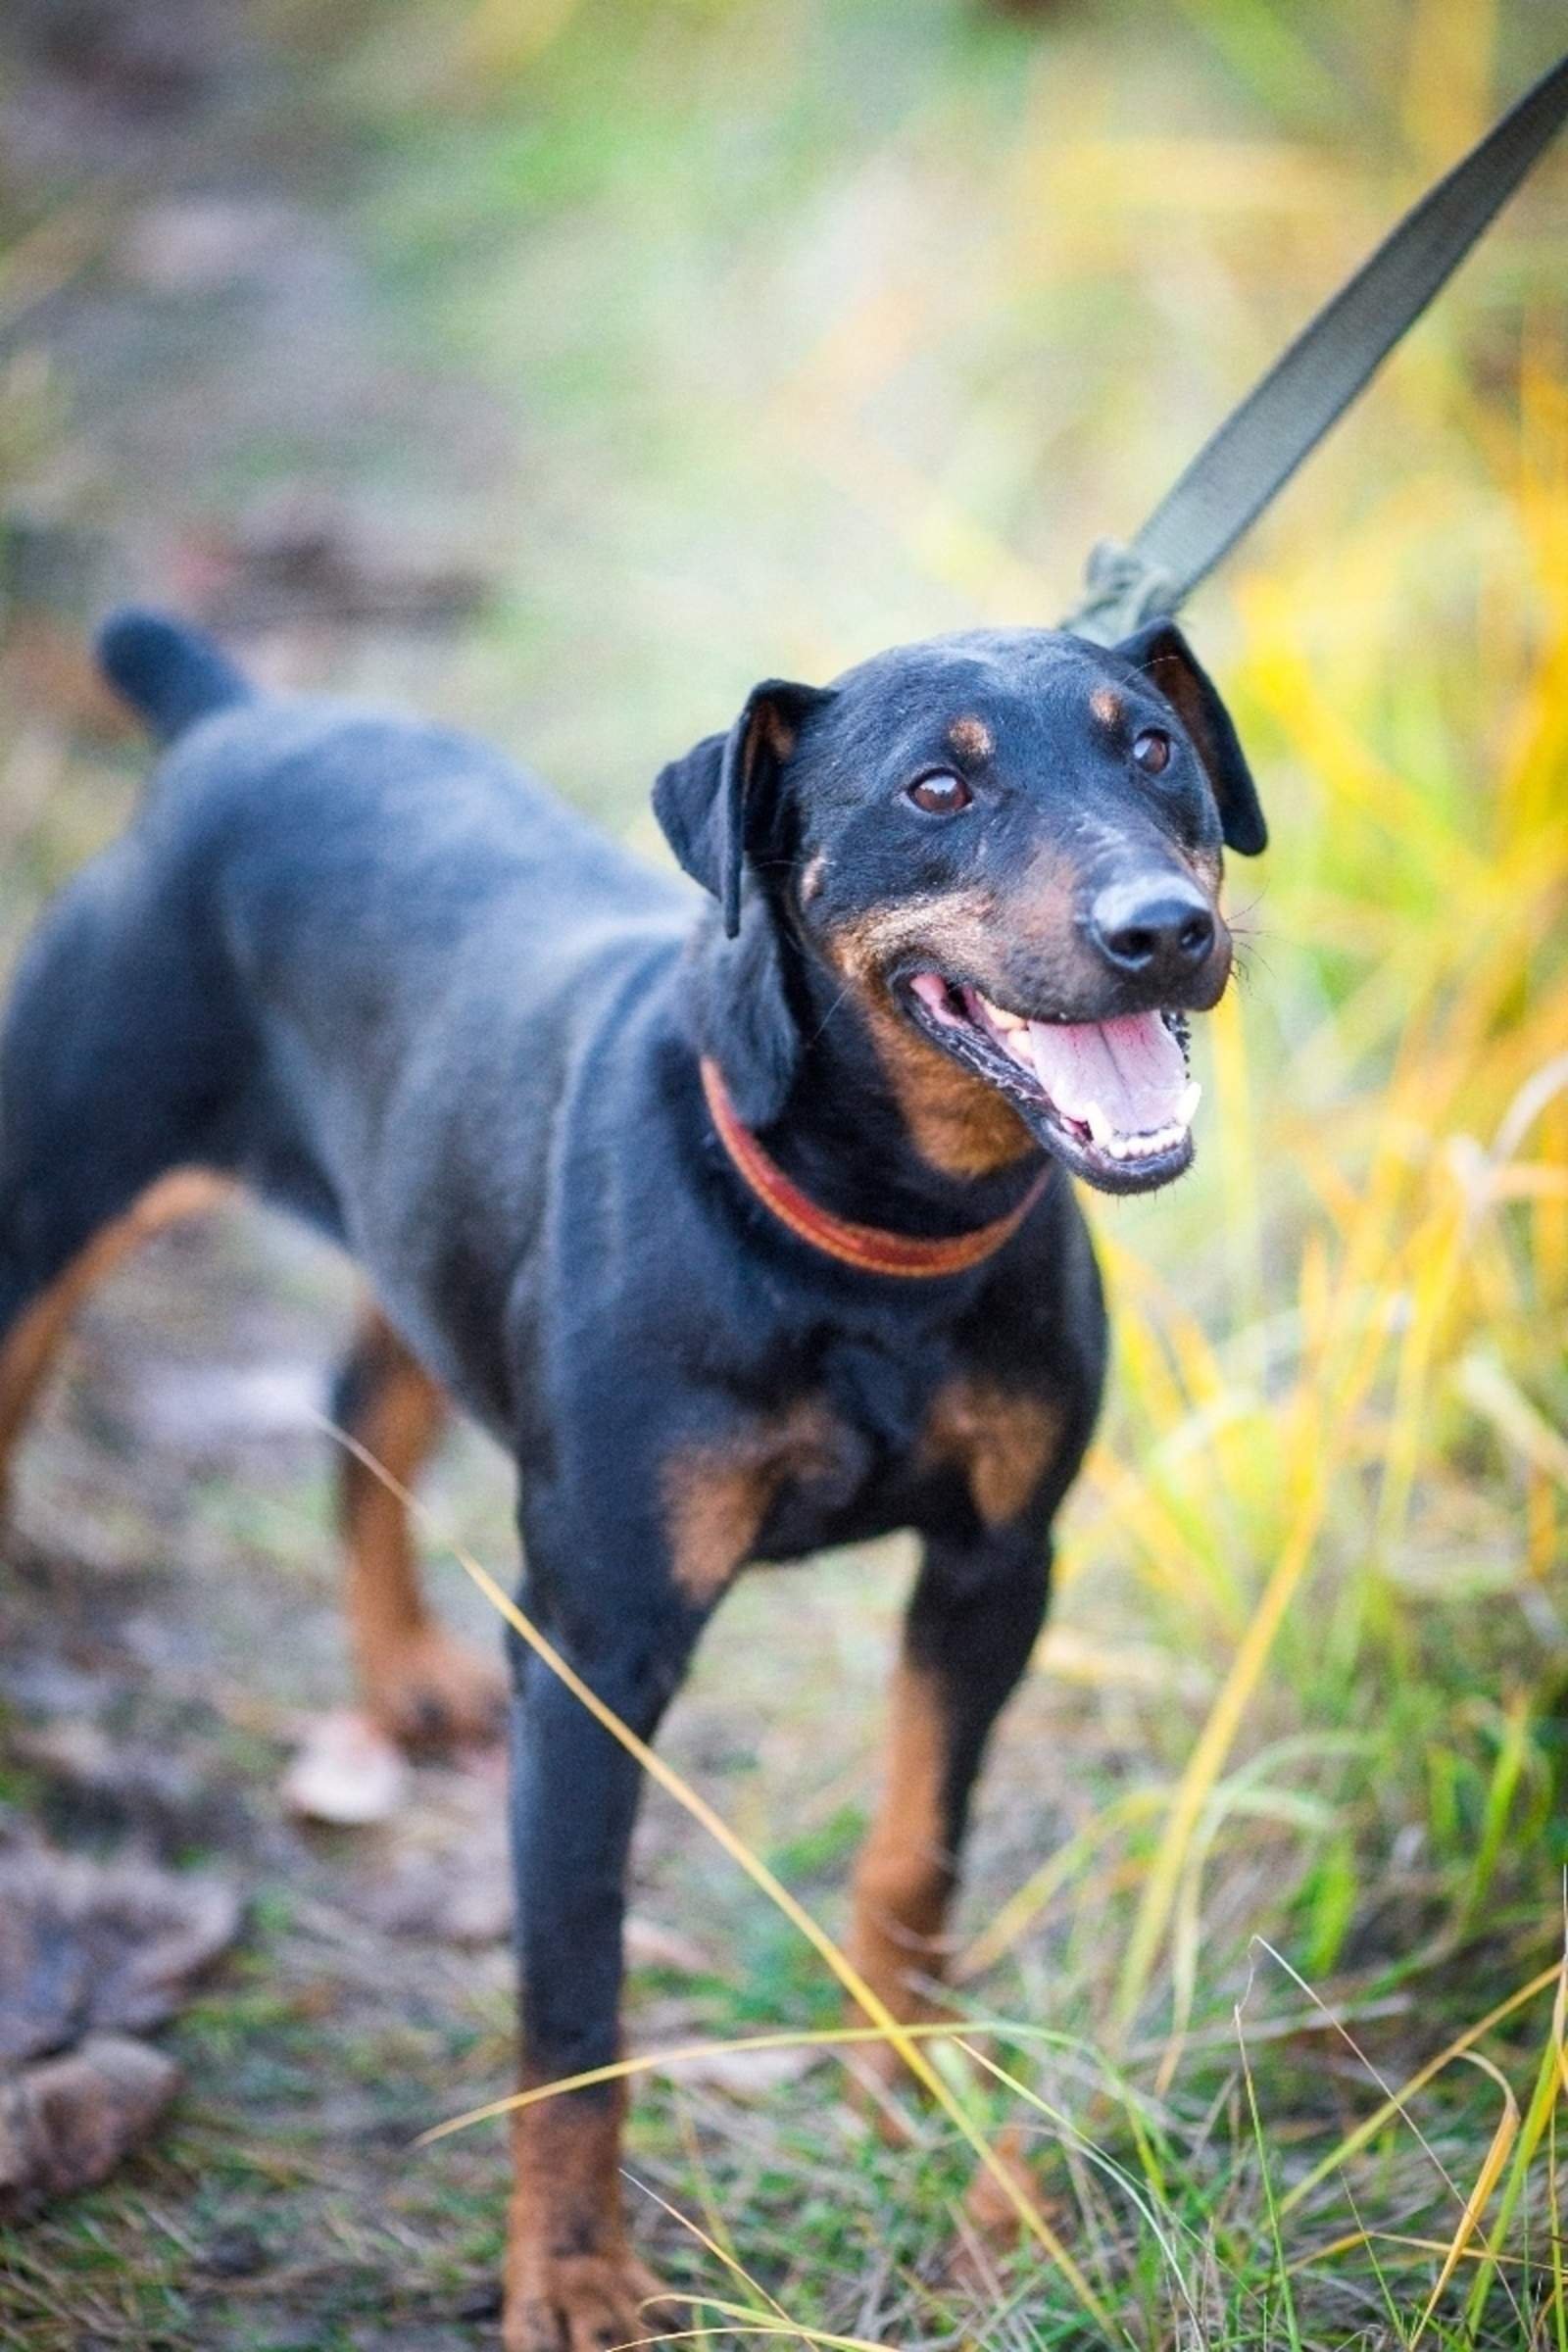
(941, 794)
(1151, 751)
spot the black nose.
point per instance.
(1157, 925)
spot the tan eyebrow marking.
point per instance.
(1108, 707)
(971, 738)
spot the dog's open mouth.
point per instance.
(1111, 1099)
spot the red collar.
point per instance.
(864, 1245)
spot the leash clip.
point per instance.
(1122, 589)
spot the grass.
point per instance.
(1266, 1918)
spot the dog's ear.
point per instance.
(746, 1017)
(715, 803)
(1164, 656)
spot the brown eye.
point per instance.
(941, 794)
(1151, 751)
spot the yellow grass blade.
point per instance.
(1484, 1384)
(1208, 1756)
(1497, 2153)
(1397, 2104)
(1551, 2077)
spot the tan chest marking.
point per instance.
(1002, 1439)
(717, 1496)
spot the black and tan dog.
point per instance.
(747, 1234)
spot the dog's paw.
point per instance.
(581, 2303)
(434, 1691)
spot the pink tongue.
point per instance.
(1132, 1068)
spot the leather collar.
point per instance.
(911, 1255)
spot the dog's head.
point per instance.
(1005, 846)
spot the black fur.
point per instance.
(167, 673)
(374, 970)
(718, 805)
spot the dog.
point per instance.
(743, 1221)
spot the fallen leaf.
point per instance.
(346, 1772)
(65, 2122)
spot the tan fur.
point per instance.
(573, 2283)
(954, 925)
(812, 877)
(418, 1681)
(1002, 1439)
(30, 1349)
(717, 1496)
(771, 727)
(905, 1876)
(1108, 707)
(956, 1122)
(971, 738)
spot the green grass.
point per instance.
(824, 326)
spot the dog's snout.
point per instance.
(1157, 926)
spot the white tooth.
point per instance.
(1187, 1107)
(1017, 1042)
(1003, 1020)
(1099, 1126)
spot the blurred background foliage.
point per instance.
(567, 366)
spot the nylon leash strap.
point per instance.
(1283, 418)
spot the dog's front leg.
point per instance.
(573, 2283)
(973, 1619)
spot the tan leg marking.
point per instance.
(717, 1496)
(35, 1340)
(573, 2283)
(1003, 1439)
(418, 1683)
(904, 1877)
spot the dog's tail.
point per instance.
(171, 673)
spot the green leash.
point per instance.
(1284, 417)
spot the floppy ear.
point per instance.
(746, 1018)
(714, 805)
(1165, 658)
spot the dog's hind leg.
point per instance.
(41, 1293)
(121, 1059)
(420, 1684)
